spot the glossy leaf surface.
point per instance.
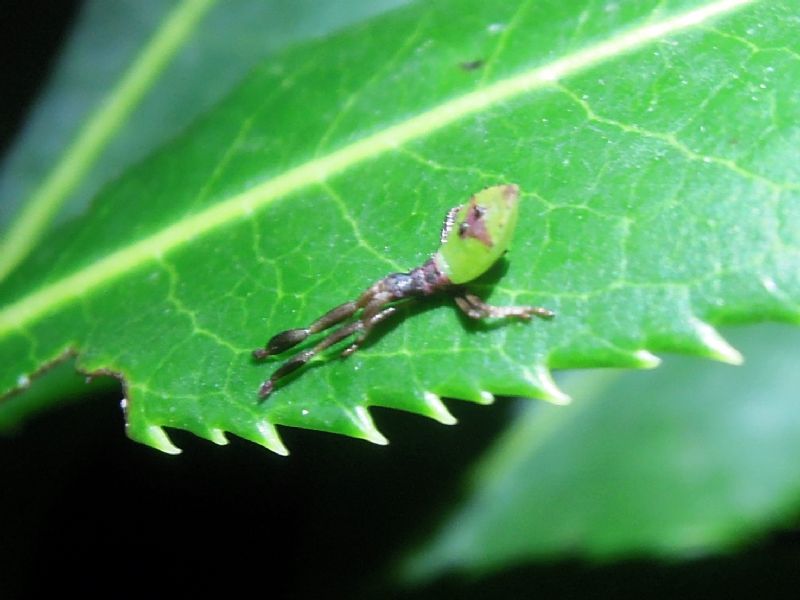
(648, 213)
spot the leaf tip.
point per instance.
(437, 410)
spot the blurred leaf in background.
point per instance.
(134, 74)
(690, 459)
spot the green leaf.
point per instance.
(132, 76)
(649, 213)
(690, 459)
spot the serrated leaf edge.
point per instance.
(39, 303)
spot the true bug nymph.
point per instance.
(473, 237)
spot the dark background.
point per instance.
(83, 509)
(31, 33)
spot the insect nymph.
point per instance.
(474, 236)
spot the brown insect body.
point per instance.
(486, 212)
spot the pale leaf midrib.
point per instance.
(28, 309)
(81, 153)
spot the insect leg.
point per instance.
(371, 317)
(302, 358)
(475, 308)
(291, 337)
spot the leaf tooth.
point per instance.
(485, 397)
(262, 433)
(710, 343)
(269, 438)
(437, 410)
(23, 382)
(155, 437)
(543, 386)
(645, 359)
(363, 422)
(212, 434)
(623, 358)
(217, 436)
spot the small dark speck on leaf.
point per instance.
(472, 65)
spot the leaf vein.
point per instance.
(317, 170)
